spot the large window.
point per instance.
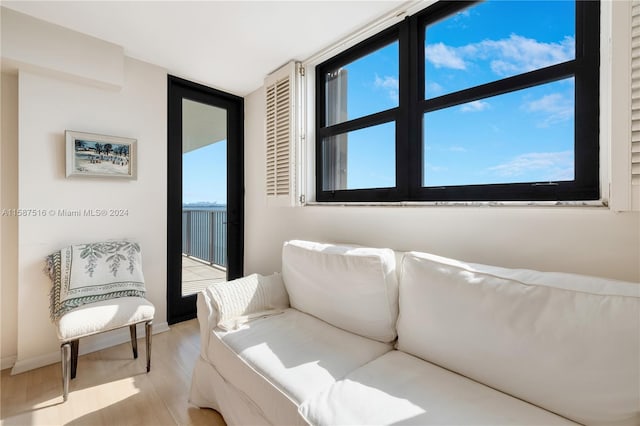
(465, 101)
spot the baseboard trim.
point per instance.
(100, 342)
(7, 362)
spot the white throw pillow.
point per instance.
(242, 299)
(354, 288)
(564, 342)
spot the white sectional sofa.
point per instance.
(350, 335)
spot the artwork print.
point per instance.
(100, 155)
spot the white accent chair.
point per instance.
(99, 317)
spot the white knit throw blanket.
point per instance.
(244, 299)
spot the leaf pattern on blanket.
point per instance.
(113, 249)
(132, 250)
(91, 252)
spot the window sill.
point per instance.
(567, 204)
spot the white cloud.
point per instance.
(443, 56)
(436, 169)
(457, 149)
(388, 83)
(460, 20)
(512, 55)
(475, 106)
(556, 165)
(433, 88)
(518, 54)
(556, 107)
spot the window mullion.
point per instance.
(359, 123)
(416, 88)
(587, 96)
(500, 87)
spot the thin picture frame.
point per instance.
(94, 155)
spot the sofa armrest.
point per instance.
(207, 318)
(236, 301)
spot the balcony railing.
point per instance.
(204, 235)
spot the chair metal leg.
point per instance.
(75, 344)
(134, 340)
(69, 355)
(147, 332)
(65, 352)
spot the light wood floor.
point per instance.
(111, 388)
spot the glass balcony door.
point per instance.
(205, 205)
(204, 195)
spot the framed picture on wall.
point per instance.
(89, 154)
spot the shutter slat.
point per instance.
(635, 92)
(278, 132)
(271, 137)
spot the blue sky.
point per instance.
(522, 136)
(204, 174)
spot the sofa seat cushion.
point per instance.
(293, 353)
(398, 388)
(354, 288)
(565, 342)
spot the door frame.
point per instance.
(184, 308)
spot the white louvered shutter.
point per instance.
(635, 101)
(280, 131)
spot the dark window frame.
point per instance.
(179, 307)
(408, 116)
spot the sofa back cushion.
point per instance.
(564, 342)
(353, 288)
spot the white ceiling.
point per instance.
(229, 45)
(202, 125)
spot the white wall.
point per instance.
(33, 44)
(594, 241)
(48, 104)
(9, 224)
